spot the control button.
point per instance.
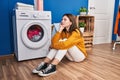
(35, 16)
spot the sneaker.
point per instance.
(40, 67)
(51, 69)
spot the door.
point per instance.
(103, 10)
(34, 35)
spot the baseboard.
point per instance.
(6, 57)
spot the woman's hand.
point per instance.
(61, 28)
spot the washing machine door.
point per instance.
(34, 35)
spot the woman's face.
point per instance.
(66, 22)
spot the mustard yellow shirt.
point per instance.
(74, 39)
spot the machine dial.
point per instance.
(35, 16)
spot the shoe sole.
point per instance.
(35, 72)
(40, 74)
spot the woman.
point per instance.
(68, 41)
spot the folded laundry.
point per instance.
(23, 6)
(19, 4)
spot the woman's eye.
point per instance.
(65, 19)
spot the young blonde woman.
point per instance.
(68, 41)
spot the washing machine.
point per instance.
(32, 34)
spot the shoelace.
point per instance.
(39, 66)
(47, 69)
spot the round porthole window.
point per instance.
(35, 33)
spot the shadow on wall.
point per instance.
(60, 7)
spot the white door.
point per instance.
(103, 10)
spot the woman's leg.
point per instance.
(50, 55)
(69, 57)
(45, 62)
(52, 67)
(76, 54)
(59, 56)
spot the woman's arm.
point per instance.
(72, 40)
